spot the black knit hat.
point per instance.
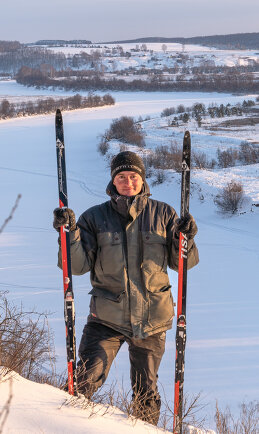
(127, 161)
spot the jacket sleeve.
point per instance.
(83, 247)
(173, 246)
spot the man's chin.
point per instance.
(129, 193)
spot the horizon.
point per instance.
(131, 39)
(100, 20)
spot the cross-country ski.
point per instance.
(182, 289)
(69, 310)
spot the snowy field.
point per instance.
(196, 53)
(222, 320)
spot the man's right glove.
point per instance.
(64, 216)
(187, 226)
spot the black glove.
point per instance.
(187, 226)
(64, 216)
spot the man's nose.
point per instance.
(128, 181)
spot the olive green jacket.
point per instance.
(127, 246)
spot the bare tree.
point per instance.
(164, 47)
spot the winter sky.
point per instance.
(107, 20)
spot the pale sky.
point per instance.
(107, 20)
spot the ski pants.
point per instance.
(98, 348)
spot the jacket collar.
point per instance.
(128, 205)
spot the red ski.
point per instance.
(69, 311)
(182, 290)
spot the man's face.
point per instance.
(128, 183)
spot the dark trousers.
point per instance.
(98, 348)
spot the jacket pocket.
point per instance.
(110, 268)
(154, 252)
(110, 255)
(161, 307)
(107, 306)
(154, 261)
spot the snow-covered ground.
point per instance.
(196, 55)
(158, 133)
(52, 411)
(222, 320)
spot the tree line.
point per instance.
(212, 83)
(9, 46)
(198, 111)
(33, 57)
(50, 105)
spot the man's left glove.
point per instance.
(187, 226)
(64, 216)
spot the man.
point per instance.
(127, 243)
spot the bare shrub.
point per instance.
(148, 168)
(176, 157)
(180, 108)
(246, 423)
(135, 138)
(230, 199)
(191, 407)
(227, 158)
(26, 343)
(103, 146)
(201, 161)
(109, 397)
(166, 157)
(159, 177)
(168, 112)
(6, 109)
(249, 153)
(126, 130)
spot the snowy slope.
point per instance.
(223, 332)
(40, 408)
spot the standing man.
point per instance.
(127, 243)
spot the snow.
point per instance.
(113, 60)
(53, 411)
(222, 327)
(249, 176)
(197, 54)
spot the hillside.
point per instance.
(236, 41)
(40, 408)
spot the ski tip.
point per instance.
(187, 134)
(58, 118)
